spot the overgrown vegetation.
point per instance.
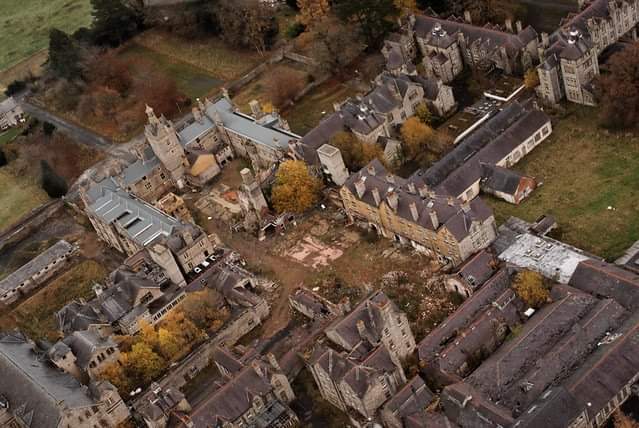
(36, 316)
(589, 178)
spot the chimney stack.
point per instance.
(413, 210)
(393, 199)
(376, 195)
(434, 219)
(544, 39)
(509, 25)
(361, 329)
(467, 17)
(360, 186)
(519, 26)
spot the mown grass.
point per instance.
(25, 25)
(307, 112)
(191, 80)
(584, 171)
(208, 53)
(18, 196)
(36, 315)
(9, 134)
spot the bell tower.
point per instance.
(161, 135)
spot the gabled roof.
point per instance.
(605, 279)
(35, 387)
(499, 179)
(412, 399)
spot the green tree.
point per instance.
(530, 287)
(64, 55)
(52, 183)
(295, 189)
(423, 113)
(113, 22)
(374, 17)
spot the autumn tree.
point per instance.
(247, 24)
(64, 55)
(619, 89)
(530, 287)
(176, 334)
(143, 364)
(621, 420)
(416, 135)
(283, 86)
(110, 70)
(531, 79)
(335, 45)
(406, 5)
(206, 309)
(312, 11)
(295, 189)
(115, 373)
(373, 17)
(423, 113)
(356, 154)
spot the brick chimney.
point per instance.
(509, 24)
(519, 27)
(467, 17)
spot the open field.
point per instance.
(18, 196)
(584, 171)
(190, 80)
(25, 25)
(210, 54)
(307, 112)
(36, 315)
(9, 134)
(23, 69)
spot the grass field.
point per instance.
(25, 25)
(191, 80)
(8, 135)
(18, 196)
(307, 113)
(584, 171)
(210, 54)
(36, 315)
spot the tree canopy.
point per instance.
(295, 189)
(416, 136)
(247, 24)
(619, 89)
(113, 22)
(374, 17)
(356, 154)
(64, 55)
(530, 287)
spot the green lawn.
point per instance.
(18, 196)
(191, 80)
(9, 134)
(307, 112)
(25, 25)
(584, 171)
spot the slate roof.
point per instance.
(443, 32)
(232, 400)
(57, 250)
(478, 268)
(450, 211)
(141, 167)
(30, 383)
(605, 279)
(246, 126)
(499, 179)
(369, 311)
(84, 344)
(428, 420)
(492, 142)
(464, 315)
(119, 299)
(412, 399)
(7, 105)
(78, 315)
(141, 222)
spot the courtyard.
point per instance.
(588, 180)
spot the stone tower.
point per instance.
(163, 139)
(333, 164)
